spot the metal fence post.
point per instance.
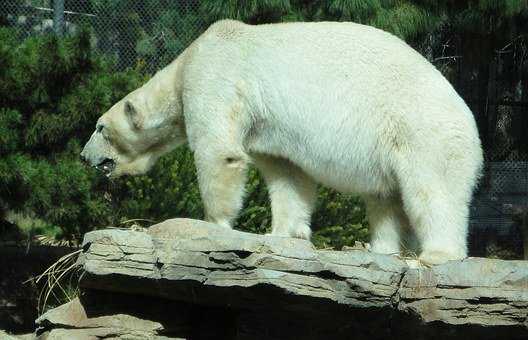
(58, 17)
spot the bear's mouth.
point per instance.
(106, 166)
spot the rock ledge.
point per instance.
(236, 285)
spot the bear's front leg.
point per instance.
(221, 178)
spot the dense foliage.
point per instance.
(52, 91)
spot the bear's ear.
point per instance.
(133, 115)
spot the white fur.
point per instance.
(345, 105)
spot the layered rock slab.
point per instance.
(284, 287)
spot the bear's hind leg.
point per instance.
(386, 220)
(292, 195)
(438, 218)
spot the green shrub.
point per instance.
(51, 93)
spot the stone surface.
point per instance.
(283, 287)
(109, 316)
(6, 336)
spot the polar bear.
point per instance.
(341, 104)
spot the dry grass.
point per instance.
(59, 281)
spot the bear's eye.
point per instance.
(99, 128)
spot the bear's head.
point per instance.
(131, 136)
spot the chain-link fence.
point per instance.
(150, 34)
(499, 99)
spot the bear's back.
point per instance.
(343, 56)
(322, 41)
